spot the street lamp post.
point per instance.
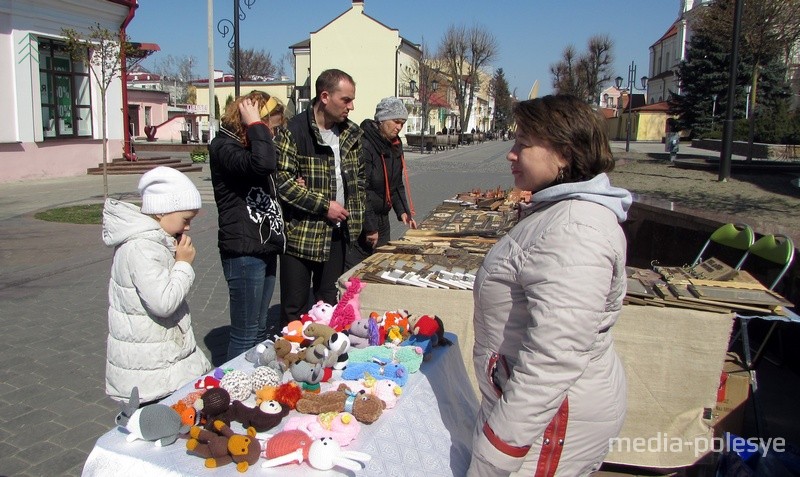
(631, 87)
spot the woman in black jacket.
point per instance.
(385, 170)
(251, 235)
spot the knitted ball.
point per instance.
(237, 383)
(264, 376)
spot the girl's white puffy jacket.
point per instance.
(150, 339)
(553, 389)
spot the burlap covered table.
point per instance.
(673, 358)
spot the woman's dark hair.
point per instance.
(572, 128)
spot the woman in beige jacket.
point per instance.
(553, 389)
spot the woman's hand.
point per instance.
(408, 221)
(250, 111)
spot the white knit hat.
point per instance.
(391, 108)
(165, 190)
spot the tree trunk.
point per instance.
(104, 117)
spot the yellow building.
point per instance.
(375, 55)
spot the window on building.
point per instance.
(66, 92)
(147, 113)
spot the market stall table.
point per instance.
(673, 359)
(428, 433)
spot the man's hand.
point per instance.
(337, 213)
(185, 251)
(372, 238)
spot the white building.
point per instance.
(51, 105)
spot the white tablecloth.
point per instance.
(428, 433)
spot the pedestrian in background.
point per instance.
(553, 391)
(385, 171)
(151, 343)
(251, 230)
(321, 145)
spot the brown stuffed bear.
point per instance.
(366, 408)
(224, 446)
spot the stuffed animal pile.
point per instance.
(338, 369)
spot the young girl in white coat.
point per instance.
(150, 343)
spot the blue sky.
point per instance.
(531, 34)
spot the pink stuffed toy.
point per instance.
(342, 427)
(348, 309)
(320, 312)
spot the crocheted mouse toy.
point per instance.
(366, 408)
(223, 446)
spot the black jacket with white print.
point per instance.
(250, 220)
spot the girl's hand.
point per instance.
(250, 111)
(185, 251)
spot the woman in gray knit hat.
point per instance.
(385, 170)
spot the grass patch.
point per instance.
(75, 214)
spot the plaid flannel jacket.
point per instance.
(302, 153)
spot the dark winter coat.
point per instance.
(383, 164)
(250, 218)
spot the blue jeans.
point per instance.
(251, 281)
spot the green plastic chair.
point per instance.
(738, 236)
(775, 248)
(778, 249)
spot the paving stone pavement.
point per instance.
(53, 302)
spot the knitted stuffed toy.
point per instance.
(380, 370)
(262, 418)
(366, 408)
(348, 309)
(342, 427)
(364, 332)
(287, 394)
(427, 332)
(222, 446)
(409, 356)
(386, 389)
(158, 423)
(295, 446)
(320, 312)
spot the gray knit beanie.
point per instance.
(165, 190)
(391, 108)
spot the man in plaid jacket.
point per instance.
(326, 209)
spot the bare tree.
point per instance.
(286, 65)
(595, 65)
(464, 52)
(104, 51)
(254, 64)
(583, 76)
(176, 74)
(566, 74)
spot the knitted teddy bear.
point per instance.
(366, 408)
(223, 446)
(262, 418)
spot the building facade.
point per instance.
(51, 104)
(375, 55)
